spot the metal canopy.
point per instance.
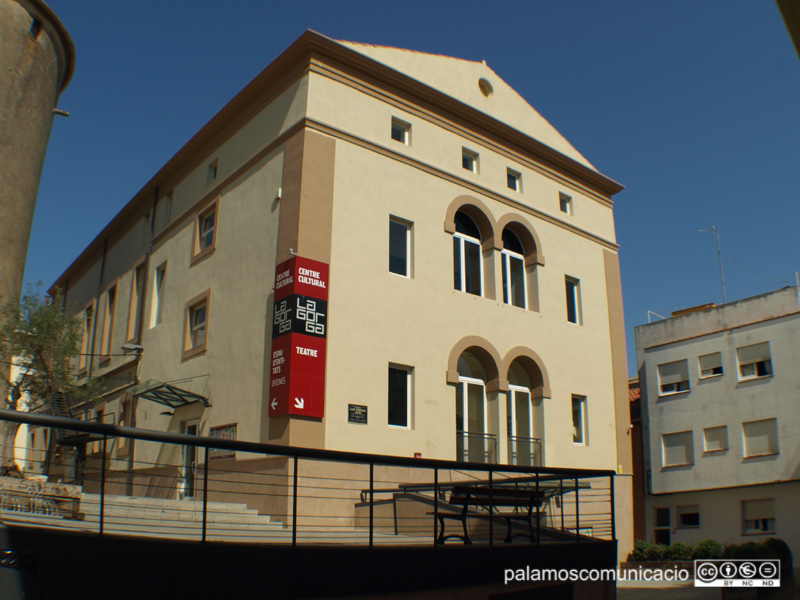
(166, 394)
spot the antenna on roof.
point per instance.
(715, 231)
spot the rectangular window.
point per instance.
(134, 315)
(758, 516)
(213, 168)
(205, 232)
(399, 247)
(196, 325)
(715, 439)
(760, 437)
(579, 422)
(754, 361)
(399, 396)
(688, 516)
(573, 287)
(158, 295)
(514, 180)
(108, 322)
(401, 131)
(86, 338)
(677, 449)
(565, 203)
(673, 378)
(469, 160)
(710, 364)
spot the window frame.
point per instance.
(409, 375)
(773, 442)
(89, 315)
(584, 420)
(758, 531)
(157, 302)
(199, 251)
(689, 454)
(740, 365)
(692, 509)
(407, 225)
(573, 299)
(700, 368)
(506, 256)
(138, 276)
(109, 317)
(189, 350)
(677, 385)
(565, 204)
(471, 158)
(516, 177)
(405, 131)
(706, 449)
(462, 239)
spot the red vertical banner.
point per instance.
(299, 332)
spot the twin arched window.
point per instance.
(468, 262)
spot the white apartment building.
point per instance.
(720, 396)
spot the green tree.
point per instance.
(41, 339)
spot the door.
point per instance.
(475, 444)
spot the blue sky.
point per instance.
(693, 106)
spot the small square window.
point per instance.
(565, 203)
(213, 167)
(715, 439)
(688, 516)
(195, 337)
(662, 517)
(677, 449)
(710, 365)
(205, 232)
(514, 180)
(469, 160)
(399, 247)
(760, 437)
(673, 377)
(401, 131)
(758, 516)
(754, 361)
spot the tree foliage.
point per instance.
(41, 339)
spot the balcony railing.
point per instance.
(476, 447)
(264, 493)
(524, 451)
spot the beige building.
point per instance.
(471, 308)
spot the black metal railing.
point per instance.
(476, 447)
(264, 493)
(524, 451)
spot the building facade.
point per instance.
(368, 249)
(719, 392)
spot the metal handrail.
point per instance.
(279, 450)
(515, 442)
(466, 438)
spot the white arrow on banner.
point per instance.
(299, 402)
(274, 404)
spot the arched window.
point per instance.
(474, 444)
(514, 279)
(525, 419)
(467, 257)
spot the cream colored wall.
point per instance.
(459, 78)
(379, 318)
(239, 273)
(369, 118)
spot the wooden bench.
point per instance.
(525, 502)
